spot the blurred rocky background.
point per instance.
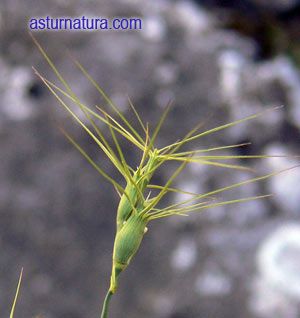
(219, 61)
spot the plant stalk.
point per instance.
(104, 313)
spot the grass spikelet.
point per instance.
(137, 205)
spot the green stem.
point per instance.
(104, 313)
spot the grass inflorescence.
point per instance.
(139, 198)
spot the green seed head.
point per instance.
(134, 210)
(134, 188)
(127, 242)
(149, 169)
(126, 204)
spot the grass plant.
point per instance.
(139, 197)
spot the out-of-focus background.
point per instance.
(218, 60)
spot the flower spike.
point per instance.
(138, 205)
